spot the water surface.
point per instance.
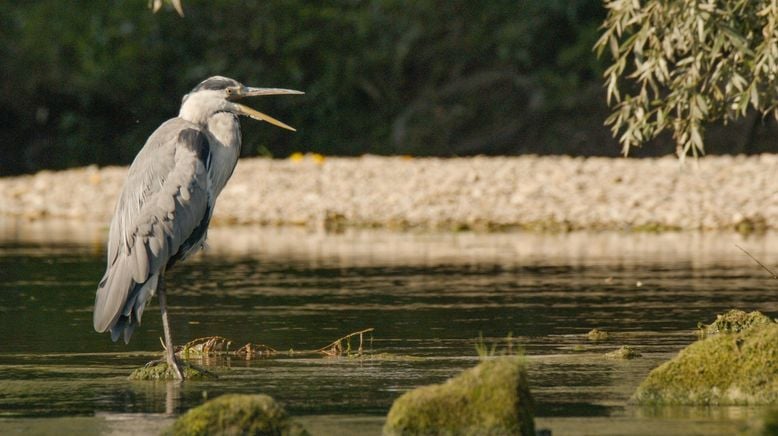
(428, 296)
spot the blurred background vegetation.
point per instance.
(87, 83)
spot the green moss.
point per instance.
(491, 398)
(237, 415)
(734, 321)
(625, 352)
(597, 335)
(725, 369)
(388, 357)
(160, 371)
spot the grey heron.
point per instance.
(166, 204)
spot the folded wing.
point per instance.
(161, 216)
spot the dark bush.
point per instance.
(88, 82)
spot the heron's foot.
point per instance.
(175, 367)
(154, 363)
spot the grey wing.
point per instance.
(164, 209)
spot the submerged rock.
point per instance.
(491, 398)
(597, 335)
(625, 352)
(734, 321)
(734, 368)
(237, 415)
(160, 371)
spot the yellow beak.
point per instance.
(257, 115)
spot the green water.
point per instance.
(428, 296)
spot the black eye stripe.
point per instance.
(216, 83)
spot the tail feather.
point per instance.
(120, 301)
(111, 296)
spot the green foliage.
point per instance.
(88, 84)
(689, 63)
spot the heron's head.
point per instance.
(220, 94)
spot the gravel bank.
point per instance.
(528, 192)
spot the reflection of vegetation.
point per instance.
(691, 63)
(769, 423)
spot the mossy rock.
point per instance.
(160, 371)
(597, 335)
(237, 414)
(734, 321)
(492, 398)
(625, 352)
(726, 369)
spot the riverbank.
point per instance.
(554, 193)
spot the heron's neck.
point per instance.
(225, 128)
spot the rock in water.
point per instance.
(730, 368)
(160, 371)
(734, 321)
(624, 352)
(238, 415)
(492, 398)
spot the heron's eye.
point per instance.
(229, 91)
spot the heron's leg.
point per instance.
(170, 353)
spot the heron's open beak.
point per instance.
(257, 115)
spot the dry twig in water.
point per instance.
(214, 346)
(336, 348)
(757, 261)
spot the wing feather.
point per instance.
(164, 202)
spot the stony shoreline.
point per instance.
(554, 193)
